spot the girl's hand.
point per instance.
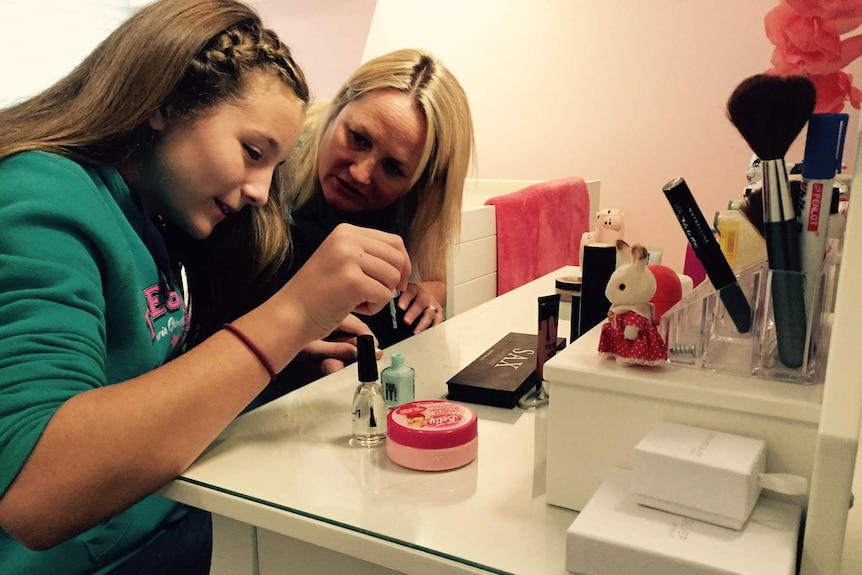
(354, 269)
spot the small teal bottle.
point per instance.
(398, 382)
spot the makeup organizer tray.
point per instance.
(699, 332)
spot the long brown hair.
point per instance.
(182, 57)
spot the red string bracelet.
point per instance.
(253, 348)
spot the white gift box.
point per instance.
(614, 535)
(699, 473)
(601, 410)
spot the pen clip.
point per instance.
(842, 133)
(824, 146)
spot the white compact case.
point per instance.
(699, 473)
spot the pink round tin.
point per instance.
(432, 435)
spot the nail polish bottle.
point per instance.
(398, 382)
(369, 408)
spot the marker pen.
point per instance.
(824, 147)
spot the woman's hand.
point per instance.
(423, 301)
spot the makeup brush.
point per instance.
(769, 112)
(751, 207)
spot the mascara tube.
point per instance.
(708, 251)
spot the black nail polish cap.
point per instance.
(366, 360)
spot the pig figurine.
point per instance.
(608, 228)
(630, 334)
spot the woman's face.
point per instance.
(206, 168)
(371, 151)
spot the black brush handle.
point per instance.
(781, 232)
(788, 291)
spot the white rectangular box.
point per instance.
(600, 410)
(699, 473)
(614, 535)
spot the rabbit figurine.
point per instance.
(630, 334)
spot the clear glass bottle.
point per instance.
(369, 409)
(397, 381)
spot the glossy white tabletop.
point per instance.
(291, 463)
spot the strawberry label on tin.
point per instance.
(431, 416)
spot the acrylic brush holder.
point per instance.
(699, 332)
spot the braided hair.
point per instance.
(180, 57)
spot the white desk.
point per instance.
(285, 475)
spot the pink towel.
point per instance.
(539, 230)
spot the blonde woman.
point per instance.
(390, 152)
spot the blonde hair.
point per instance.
(182, 57)
(433, 204)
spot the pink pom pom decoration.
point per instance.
(807, 35)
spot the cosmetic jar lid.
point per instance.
(570, 283)
(432, 424)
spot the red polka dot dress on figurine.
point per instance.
(630, 336)
(647, 347)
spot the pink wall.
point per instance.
(631, 93)
(327, 36)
